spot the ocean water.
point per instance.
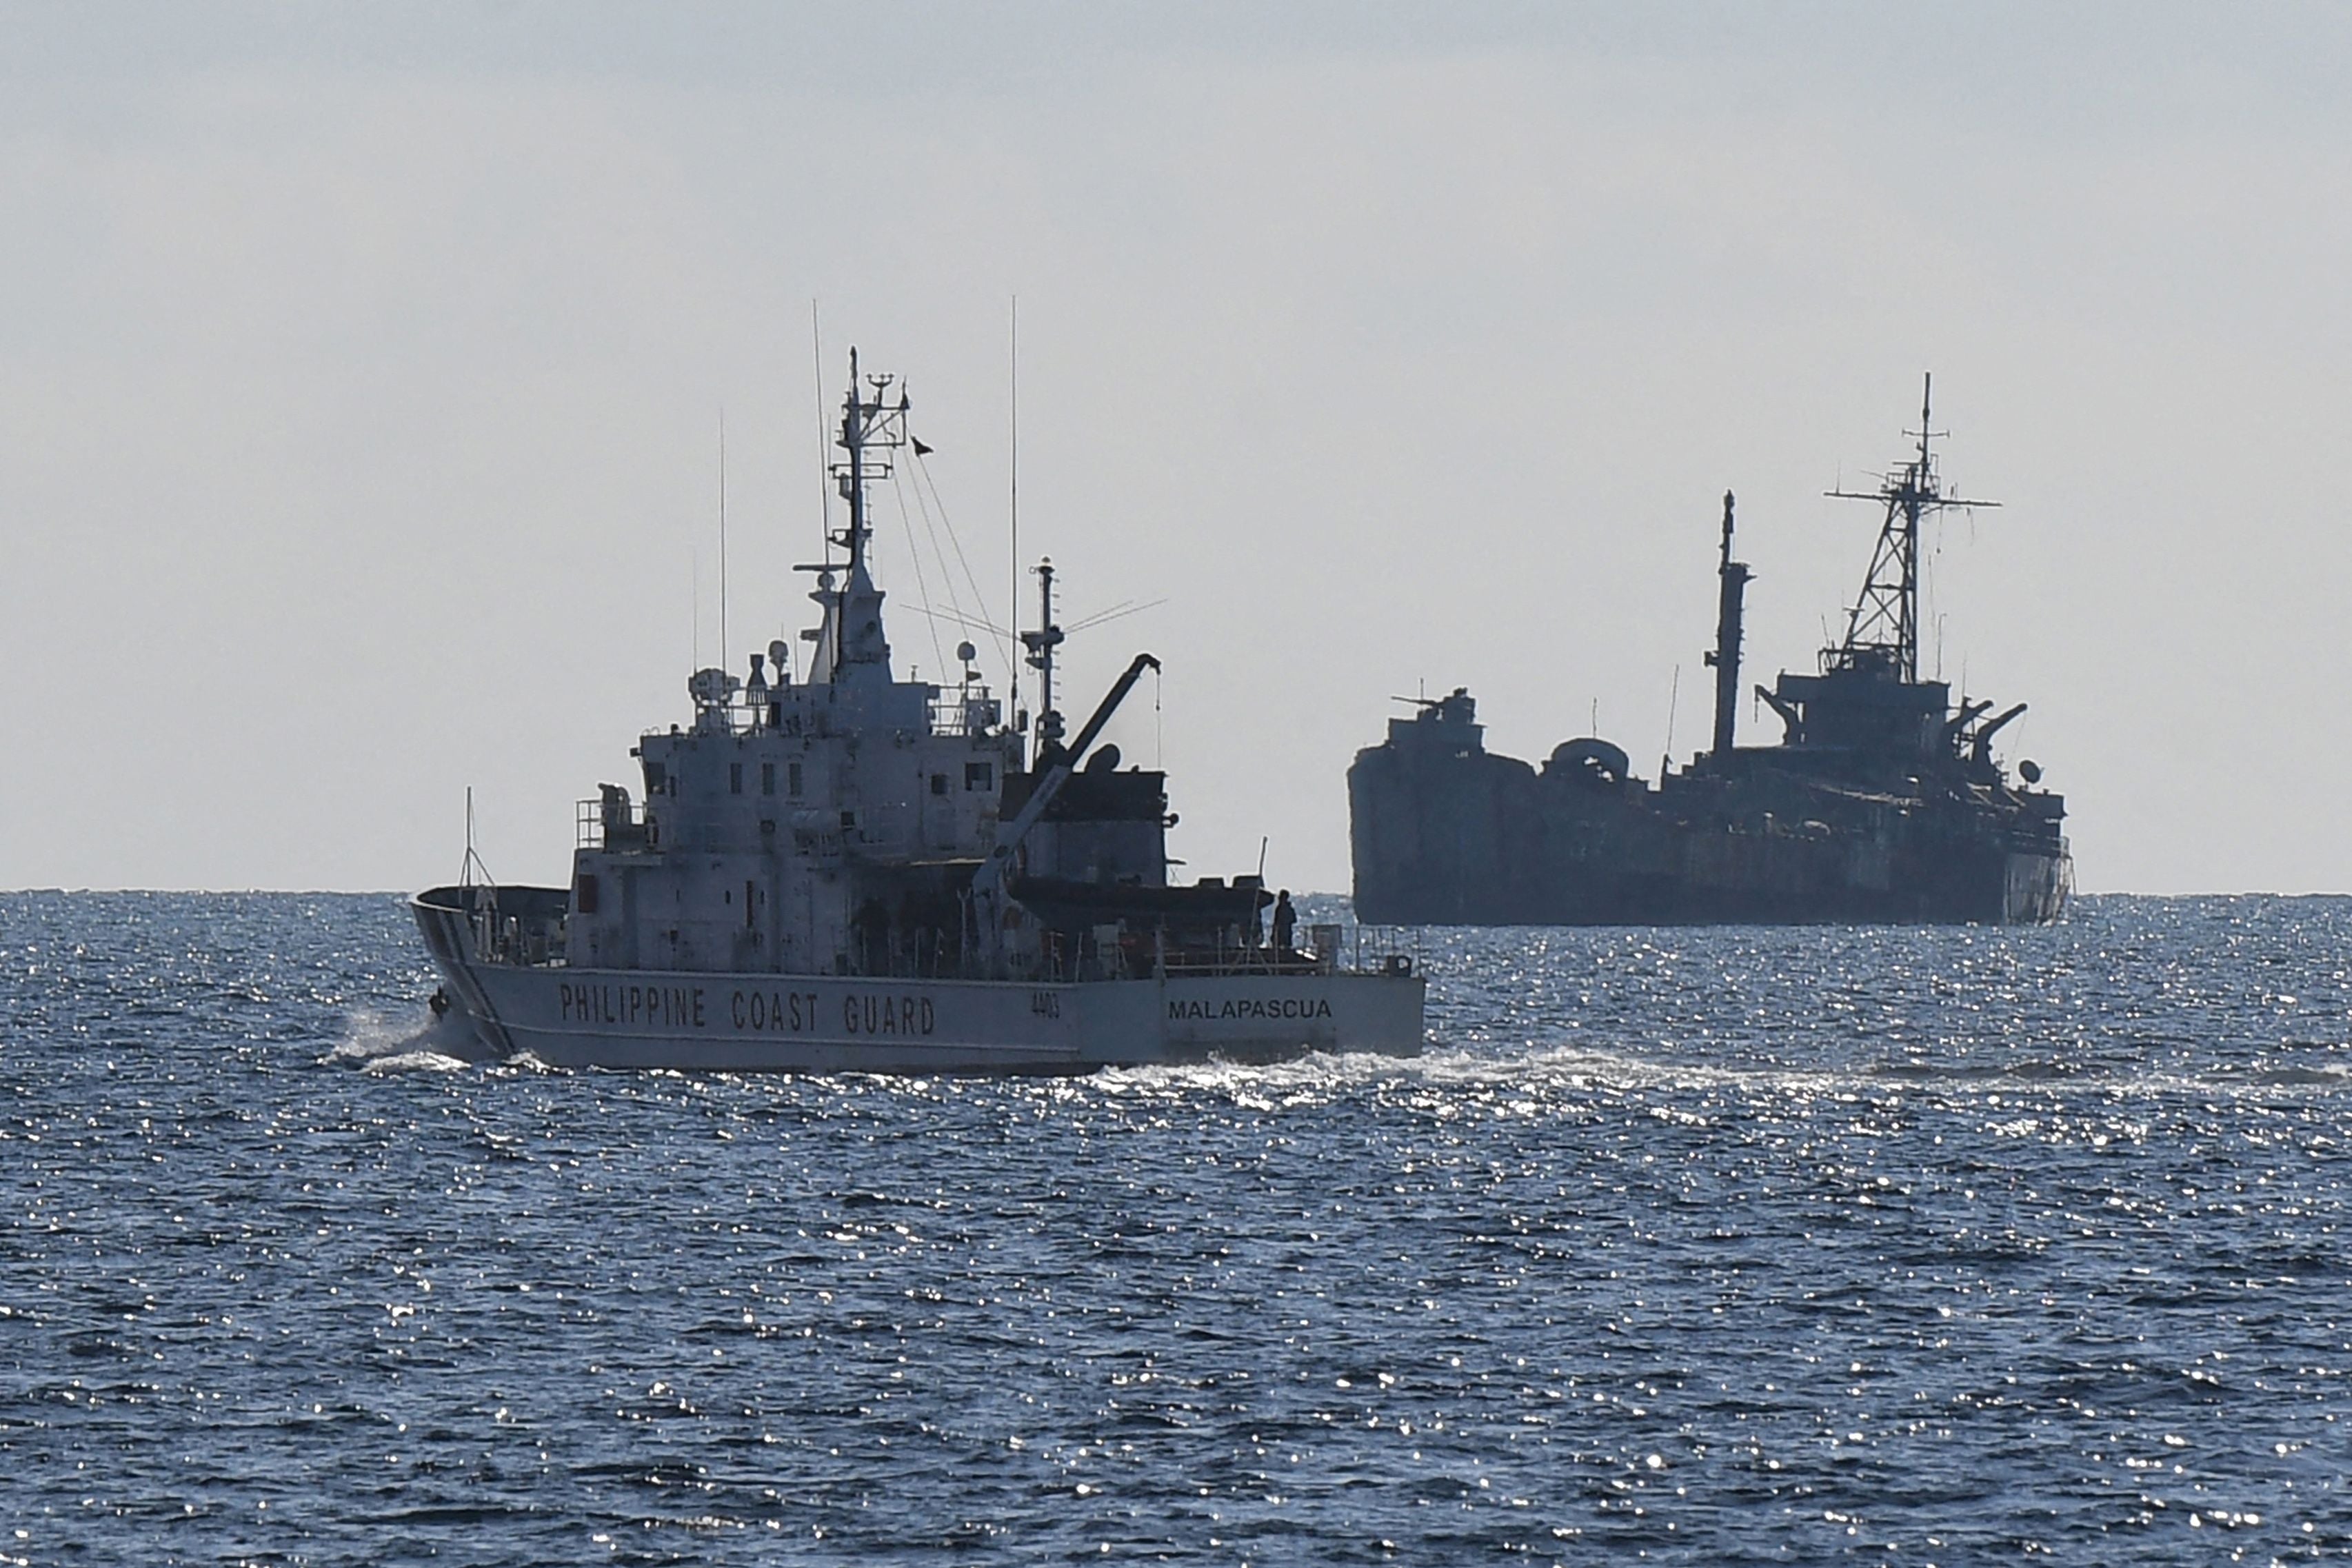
(1855, 1246)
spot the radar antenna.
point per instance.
(1050, 634)
(1882, 635)
(873, 428)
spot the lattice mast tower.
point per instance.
(1882, 633)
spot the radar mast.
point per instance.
(873, 428)
(1882, 633)
(1040, 645)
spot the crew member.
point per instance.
(1285, 921)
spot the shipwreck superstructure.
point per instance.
(848, 870)
(1882, 800)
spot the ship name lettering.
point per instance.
(664, 1006)
(1248, 1007)
(774, 1012)
(878, 1013)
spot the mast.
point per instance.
(1013, 604)
(1040, 645)
(1882, 633)
(853, 490)
(853, 440)
(725, 647)
(873, 428)
(1733, 577)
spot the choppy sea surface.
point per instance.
(1716, 1247)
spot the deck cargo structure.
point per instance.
(1882, 802)
(848, 871)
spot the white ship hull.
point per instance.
(818, 828)
(705, 1022)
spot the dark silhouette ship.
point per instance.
(1882, 801)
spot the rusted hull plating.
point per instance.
(1481, 839)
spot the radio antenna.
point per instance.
(724, 656)
(1016, 601)
(473, 865)
(1673, 701)
(823, 437)
(1881, 632)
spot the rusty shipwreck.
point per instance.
(1882, 802)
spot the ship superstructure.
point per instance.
(1882, 800)
(850, 870)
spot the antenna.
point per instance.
(824, 446)
(1882, 631)
(1674, 699)
(1927, 389)
(1119, 611)
(724, 656)
(1040, 645)
(872, 431)
(473, 862)
(1014, 705)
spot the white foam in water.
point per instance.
(413, 1061)
(404, 1043)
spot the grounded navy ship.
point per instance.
(1882, 801)
(854, 872)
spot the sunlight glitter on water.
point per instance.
(1797, 1246)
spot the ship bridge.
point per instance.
(855, 823)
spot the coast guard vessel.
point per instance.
(1882, 801)
(851, 872)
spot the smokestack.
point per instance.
(1733, 575)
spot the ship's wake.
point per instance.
(1597, 1068)
(402, 1042)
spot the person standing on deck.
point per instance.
(1285, 921)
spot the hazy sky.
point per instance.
(361, 371)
